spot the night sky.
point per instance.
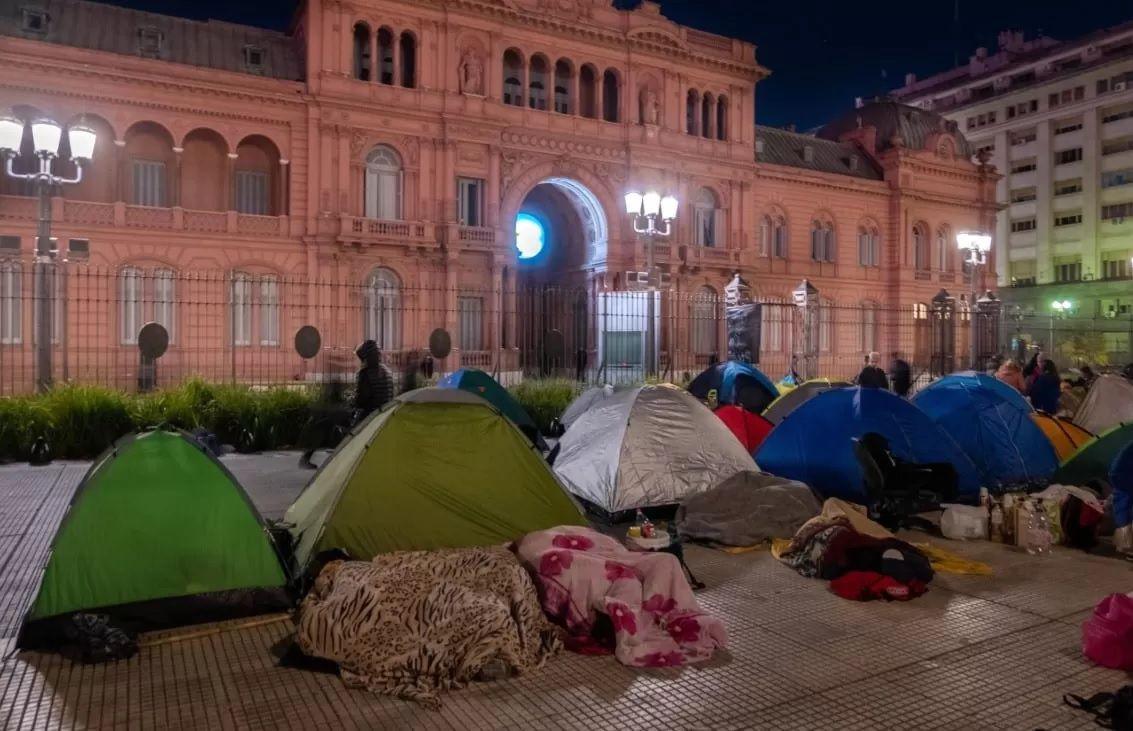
(822, 53)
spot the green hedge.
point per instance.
(79, 422)
(545, 399)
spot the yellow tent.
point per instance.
(1064, 435)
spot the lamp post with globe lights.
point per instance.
(652, 215)
(46, 136)
(976, 244)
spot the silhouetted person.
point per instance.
(1046, 388)
(900, 375)
(375, 386)
(871, 375)
(329, 421)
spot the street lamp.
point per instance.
(1059, 309)
(976, 244)
(46, 135)
(652, 215)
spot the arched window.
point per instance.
(869, 247)
(164, 289)
(706, 219)
(826, 326)
(822, 241)
(363, 64)
(383, 184)
(921, 248)
(408, 60)
(705, 321)
(692, 112)
(513, 75)
(269, 310)
(11, 303)
(385, 56)
(945, 250)
(563, 77)
(722, 118)
(383, 309)
(706, 113)
(537, 83)
(130, 304)
(779, 244)
(241, 309)
(588, 91)
(765, 233)
(610, 96)
(867, 337)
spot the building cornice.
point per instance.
(799, 176)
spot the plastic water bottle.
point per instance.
(1038, 531)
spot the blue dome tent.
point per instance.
(992, 423)
(1121, 478)
(741, 384)
(814, 443)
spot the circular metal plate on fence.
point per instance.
(554, 345)
(153, 340)
(308, 341)
(440, 343)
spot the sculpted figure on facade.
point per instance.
(650, 107)
(471, 73)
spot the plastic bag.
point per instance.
(1107, 636)
(963, 522)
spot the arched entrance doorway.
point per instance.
(561, 233)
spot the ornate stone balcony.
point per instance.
(355, 229)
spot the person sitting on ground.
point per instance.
(1046, 389)
(375, 386)
(871, 375)
(1012, 375)
(900, 375)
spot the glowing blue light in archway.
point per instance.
(530, 238)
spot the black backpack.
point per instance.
(1110, 710)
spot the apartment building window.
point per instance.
(1113, 147)
(1023, 224)
(1068, 270)
(1023, 195)
(1116, 114)
(1117, 212)
(1117, 178)
(981, 120)
(1022, 138)
(1023, 166)
(1023, 108)
(988, 148)
(1115, 265)
(1069, 126)
(1065, 157)
(1023, 273)
(470, 201)
(252, 192)
(1066, 96)
(471, 311)
(1068, 187)
(1068, 219)
(1121, 82)
(149, 183)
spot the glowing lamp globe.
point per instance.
(530, 238)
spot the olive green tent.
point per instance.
(1091, 463)
(155, 517)
(437, 468)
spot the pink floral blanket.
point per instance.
(584, 577)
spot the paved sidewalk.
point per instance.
(973, 653)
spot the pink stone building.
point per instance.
(364, 173)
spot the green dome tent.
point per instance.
(1091, 463)
(437, 468)
(156, 517)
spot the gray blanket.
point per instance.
(746, 509)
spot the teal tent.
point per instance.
(480, 383)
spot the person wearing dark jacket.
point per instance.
(375, 387)
(329, 421)
(872, 376)
(900, 375)
(1046, 388)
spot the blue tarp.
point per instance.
(992, 423)
(736, 383)
(1121, 479)
(813, 444)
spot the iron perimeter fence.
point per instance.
(241, 327)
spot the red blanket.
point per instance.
(605, 595)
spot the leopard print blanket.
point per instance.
(412, 623)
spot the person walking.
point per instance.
(375, 385)
(871, 375)
(329, 421)
(1046, 388)
(900, 375)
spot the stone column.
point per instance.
(495, 314)
(118, 170)
(395, 46)
(374, 75)
(175, 179)
(230, 183)
(345, 42)
(524, 92)
(509, 283)
(492, 195)
(599, 95)
(283, 194)
(576, 92)
(452, 283)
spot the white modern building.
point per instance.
(1056, 118)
